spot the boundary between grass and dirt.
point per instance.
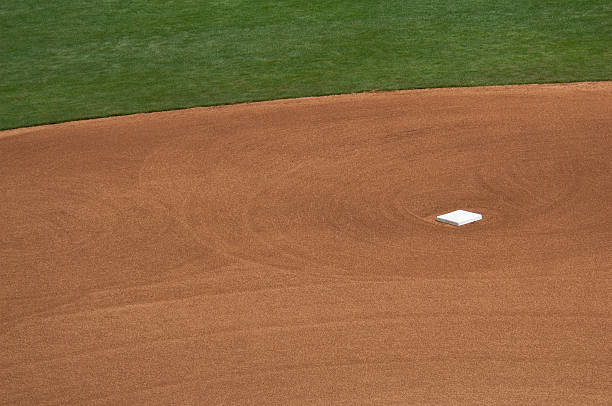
(15, 131)
(72, 59)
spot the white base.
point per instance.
(459, 217)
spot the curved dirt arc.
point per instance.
(287, 252)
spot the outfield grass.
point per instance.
(70, 59)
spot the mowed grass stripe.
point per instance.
(67, 60)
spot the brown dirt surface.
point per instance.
(287, 252)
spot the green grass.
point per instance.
(70, 59)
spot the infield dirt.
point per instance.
(287, 252)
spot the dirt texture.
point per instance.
(287, 252)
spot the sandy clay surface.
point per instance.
(287, 252)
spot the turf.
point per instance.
(72, 59)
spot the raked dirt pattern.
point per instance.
(286, 252)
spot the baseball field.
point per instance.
(286, 251)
